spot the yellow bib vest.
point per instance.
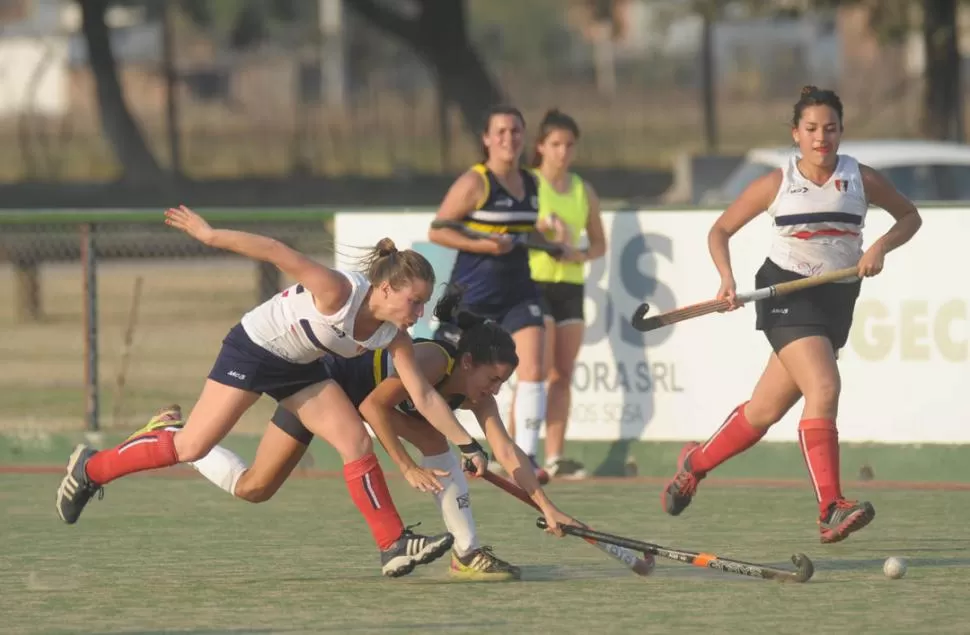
(573, 208)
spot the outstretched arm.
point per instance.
(514, 460)
(379, 407)
(329, 288)
(430, 403)
(387, 421)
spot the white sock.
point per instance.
(530, 411)
(222, 467)
(454, 501)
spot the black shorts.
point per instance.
(512, 318)
(563, 302)
(243, 364)
(824, 310)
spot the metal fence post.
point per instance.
(90, 322)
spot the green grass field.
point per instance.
(178, 555)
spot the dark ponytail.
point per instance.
(448, 309)
(483, 339)
(384, 261)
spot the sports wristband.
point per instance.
(471, 448)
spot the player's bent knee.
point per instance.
(764, 414)
(529, 372)
(254, 490)
(257, 494)
(559, 378)
(824, 393)
(190, 448)
(355, 447)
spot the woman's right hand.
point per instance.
(424, 479)
(559, 229)
(555, 518)
(501, 244)
(191, 223)
(728, 291)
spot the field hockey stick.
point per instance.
(518, 239)
(804, 567)
(641, 322)
(637, 564)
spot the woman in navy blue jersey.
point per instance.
(498, 196)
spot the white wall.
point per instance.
(906, 370)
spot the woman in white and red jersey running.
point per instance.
(275, 350)
(818, 204)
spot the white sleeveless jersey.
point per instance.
(290, 326)
(818, 228)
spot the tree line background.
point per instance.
(240, 89)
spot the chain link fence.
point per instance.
(161, 303)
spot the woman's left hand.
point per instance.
(871, 262)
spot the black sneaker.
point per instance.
(412, 549)
(566, 469)
(76, 489)
(482, 564)
(843, 518)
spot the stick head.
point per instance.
(645, 565)
(804, 566)
(639, 318)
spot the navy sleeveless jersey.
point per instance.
(359, 376)
(506, 280)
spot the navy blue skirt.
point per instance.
(243, 364)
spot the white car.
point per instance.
(921, 170)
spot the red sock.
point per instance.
(819, 440)
(734, 436)
(368, 489)
(146, 452)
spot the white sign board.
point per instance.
(903, 371)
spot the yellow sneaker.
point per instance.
(482, 564)
(169, 417)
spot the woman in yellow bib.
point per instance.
(568, 207)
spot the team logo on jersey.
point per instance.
(504, 202)
(339, 333)
(797, 189)
(842, 185)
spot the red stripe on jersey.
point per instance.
(805, 235)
